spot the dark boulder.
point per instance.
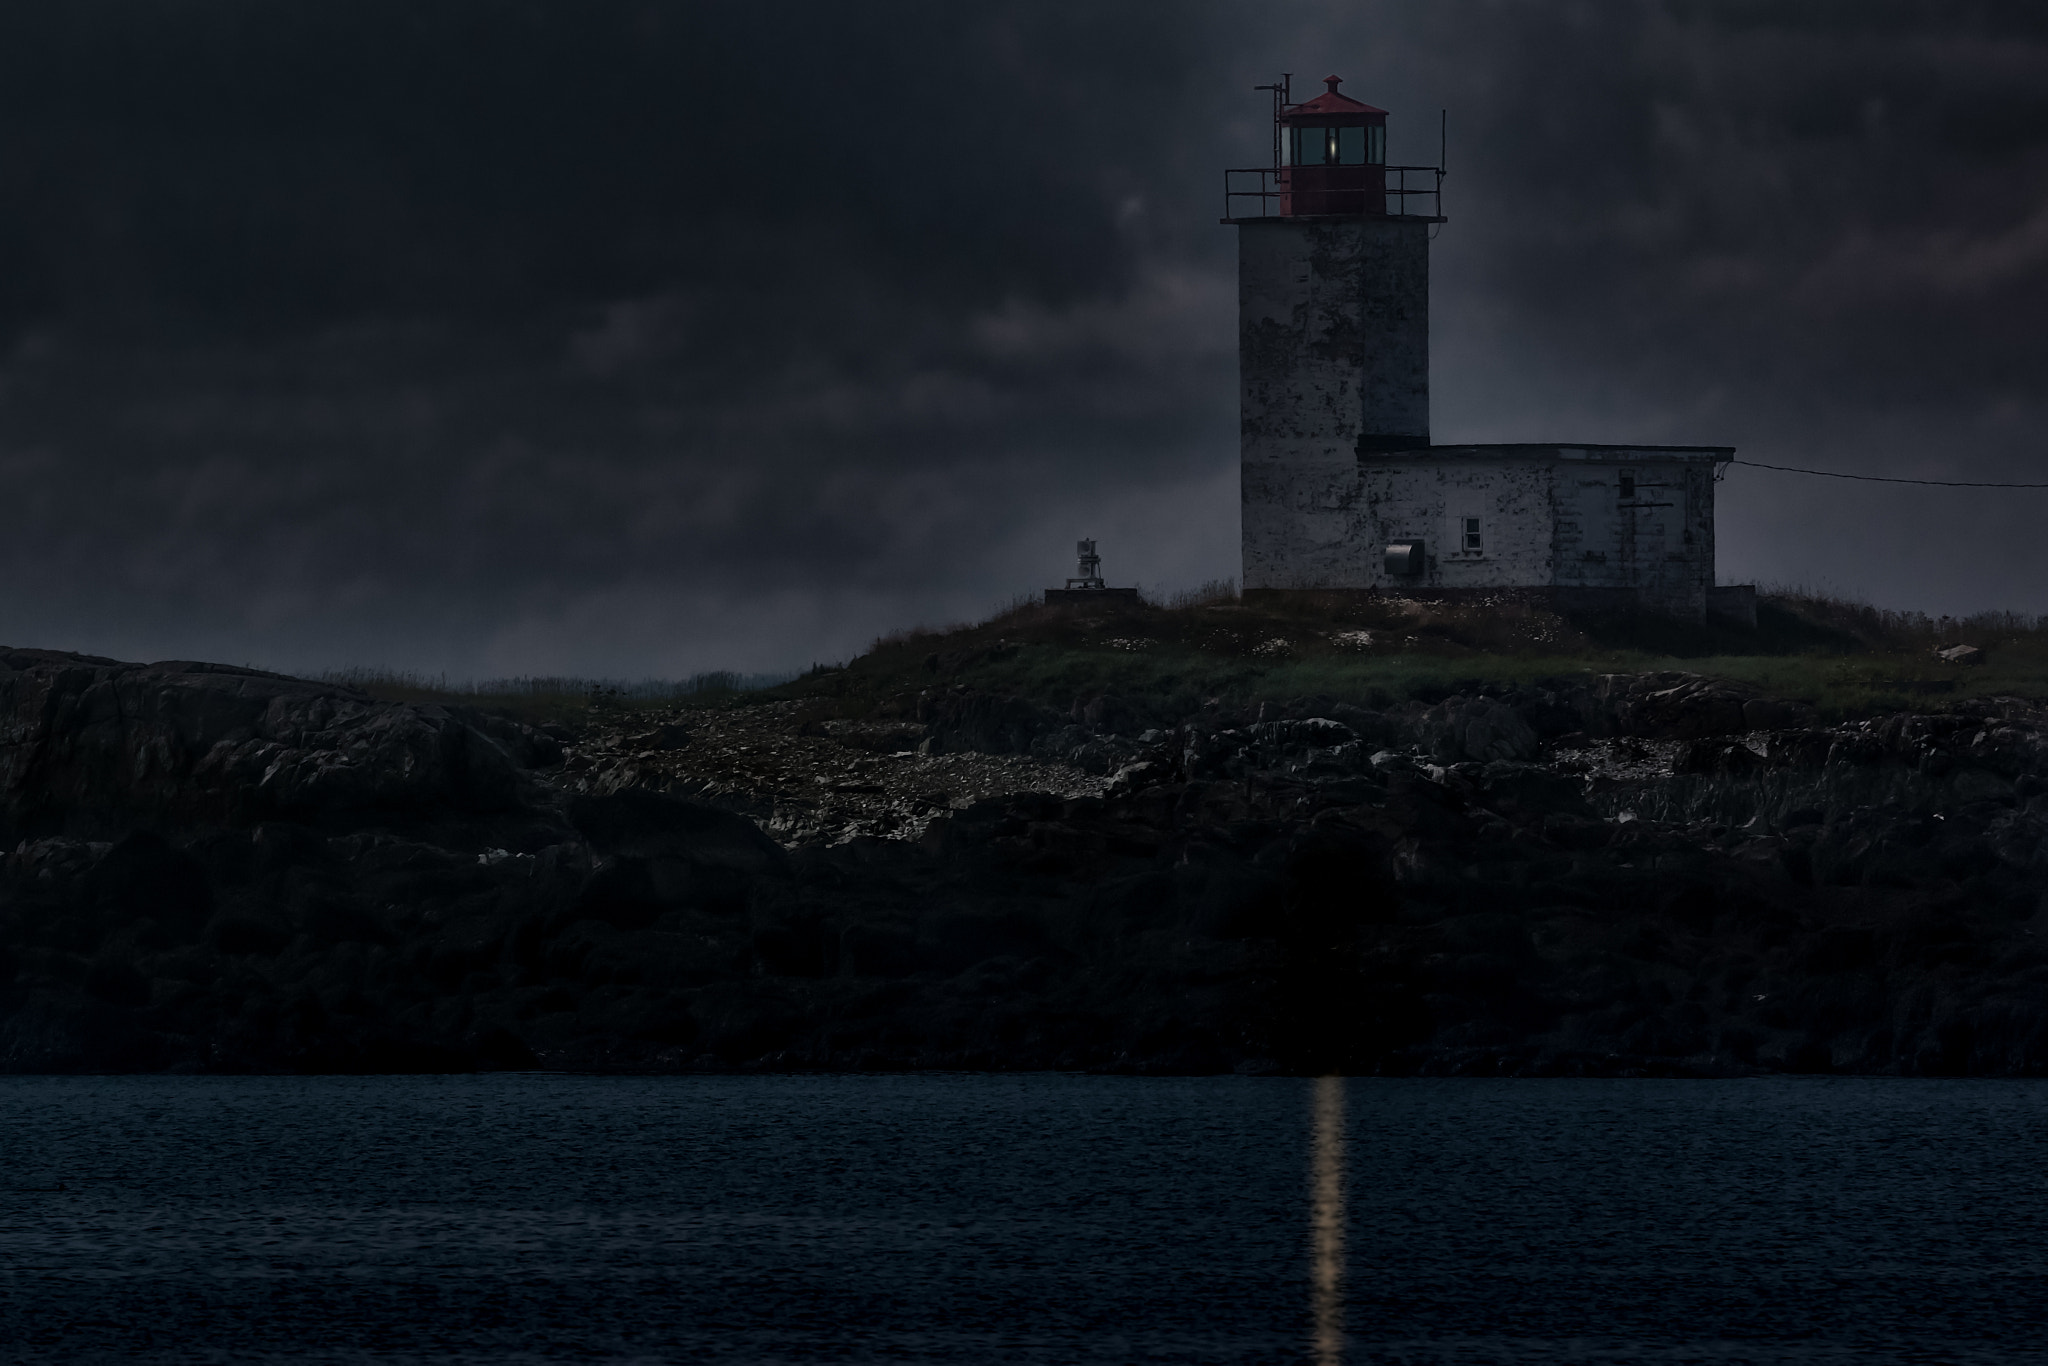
(98, 745)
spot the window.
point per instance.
(1628, 487)
(1473, 544)
(1335, 146)
(1310, 146)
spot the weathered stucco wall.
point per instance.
(1639, 520)
(1304, 526)
(1333, 335)
(1333, 346)
(1658, 540)
(1416, 497)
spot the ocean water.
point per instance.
(966, 1218)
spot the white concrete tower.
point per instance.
(1333, 334)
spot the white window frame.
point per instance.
(1471, 536)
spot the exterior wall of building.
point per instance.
(1333, 348)
(1416, 498)
(1658, 543)
(1546, 517)
(1303, 526)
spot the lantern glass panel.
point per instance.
(1351, 146)
(1311, 146)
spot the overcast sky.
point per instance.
(639, 339)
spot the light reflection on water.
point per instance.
(1058, 1220)
(1326, 1220)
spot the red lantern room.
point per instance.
(1333, 155)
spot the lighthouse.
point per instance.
(1333, 328)
(1341, 486)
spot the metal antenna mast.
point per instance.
(1283, 93)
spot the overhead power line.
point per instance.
(1885, 478)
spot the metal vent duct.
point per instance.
(1404, 560)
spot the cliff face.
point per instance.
(95, 745)
(218, 869)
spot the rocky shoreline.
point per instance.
(215, 869)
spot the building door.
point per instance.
(1652, 527)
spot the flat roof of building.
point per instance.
(1559, 450)
(1338, 217)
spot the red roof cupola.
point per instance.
(1330, 102)
(1332, 151)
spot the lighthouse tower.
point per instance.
(1341, 486)
(1333, 330)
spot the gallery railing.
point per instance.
(1320, 191)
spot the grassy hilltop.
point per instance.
(1847, 659)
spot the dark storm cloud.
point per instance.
(1844, 197)
(401, 319)
(623, 337)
